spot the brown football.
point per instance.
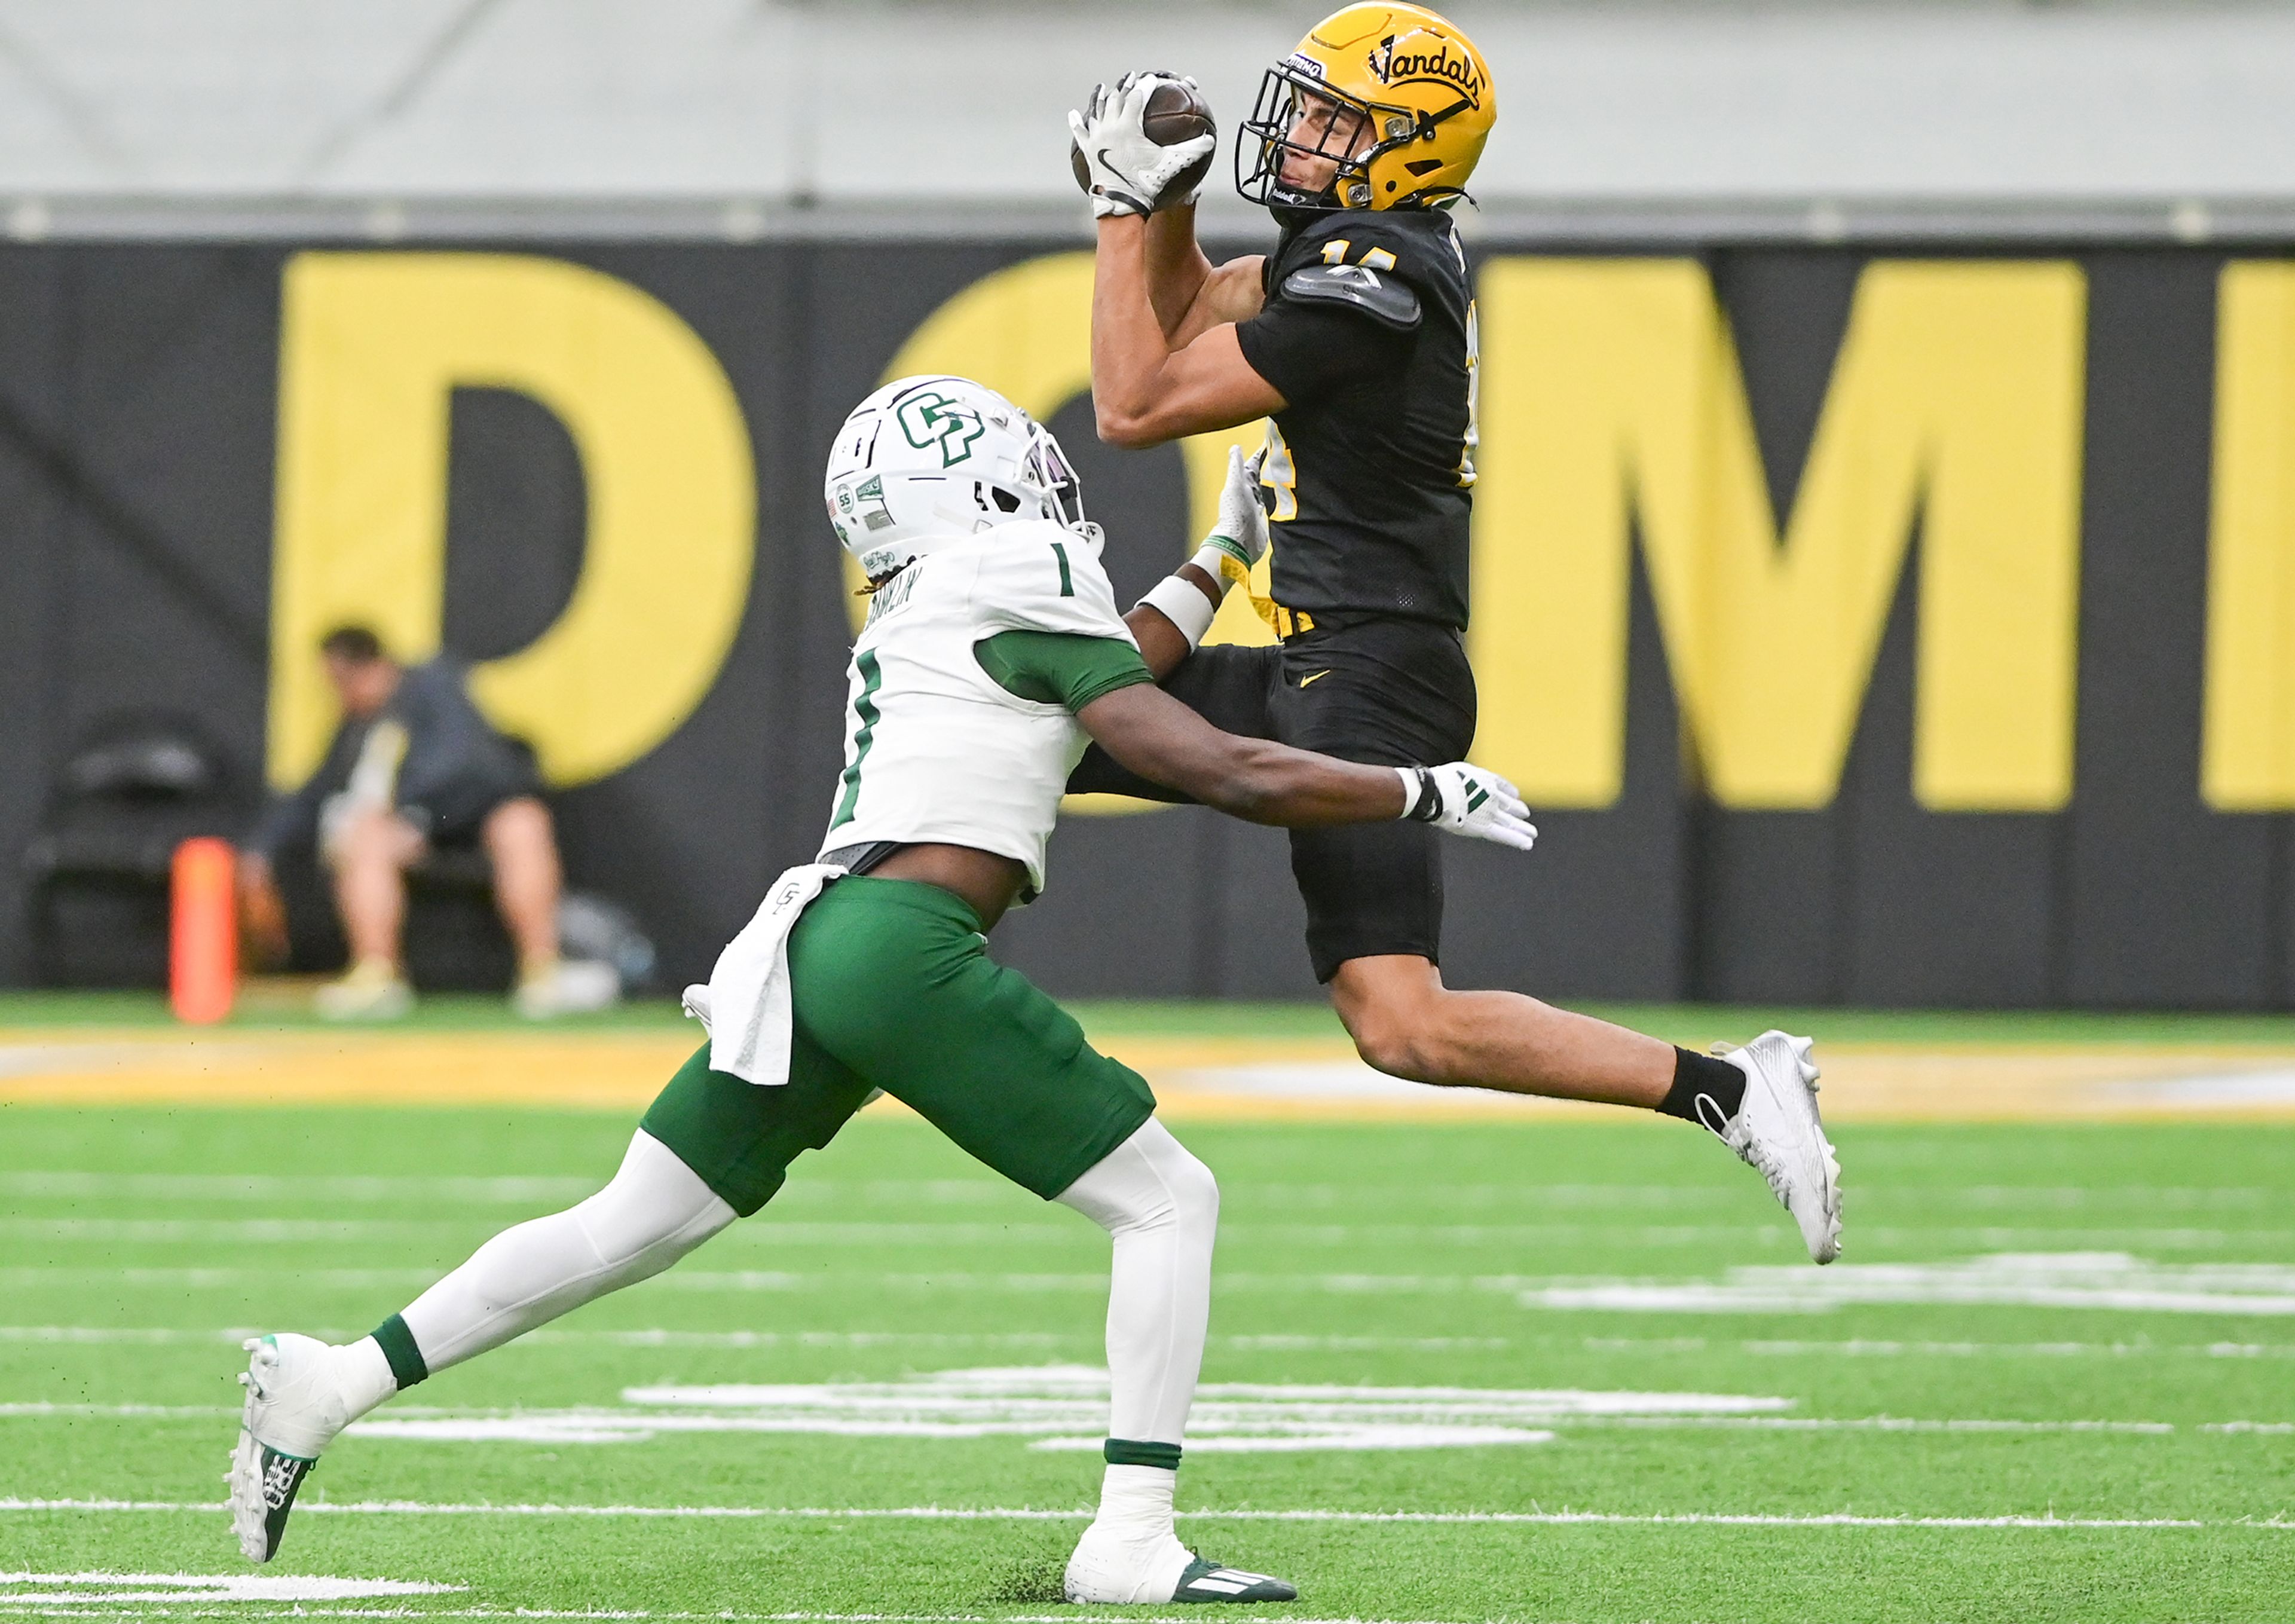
(1174, 114)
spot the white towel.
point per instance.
(745, 1009)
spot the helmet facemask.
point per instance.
(1299, 115)
(1053, 482)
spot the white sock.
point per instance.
(1135, 1502)
(362, 1375)
(1161, 1205)
(654, 1211)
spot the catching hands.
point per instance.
(1128, 174)
(1462, 798)
(1241, 538)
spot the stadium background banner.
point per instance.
(1887, 628)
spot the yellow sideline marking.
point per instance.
(1195, 1078)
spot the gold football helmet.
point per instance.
(1380, 106)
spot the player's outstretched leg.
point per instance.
(1759, 1100)
(301, 1391)
(1161, 1205)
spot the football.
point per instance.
(1175, 113)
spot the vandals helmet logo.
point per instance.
(930, 420)
(1419, 64)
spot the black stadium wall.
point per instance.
(1891, 628)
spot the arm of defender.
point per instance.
(1156, 737)
(1162, 644)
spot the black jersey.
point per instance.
(1369, 334)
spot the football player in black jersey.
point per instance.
(1356, 338)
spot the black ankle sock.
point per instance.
(1710, 1076)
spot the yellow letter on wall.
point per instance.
(2247, 761)
(1612, 394)
(371, 347)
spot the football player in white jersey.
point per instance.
(992, 649)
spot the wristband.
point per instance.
(1223, 561)
(1181, 602)
(1422, 801)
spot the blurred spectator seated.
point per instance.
(416, 780)
(141, 783)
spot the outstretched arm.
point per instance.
(1154, 735)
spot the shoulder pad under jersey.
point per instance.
(1385, 298)
(1042, 577)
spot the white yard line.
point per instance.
(644, 1337)
(441, 1419)
(1350, 1197)
(1883, 1347)
(1005, 1514)
(1279, 1196)
(41, 1409)
(211, 1231)
(434, 1189)
(658, 1336)
(803, 1233)
(78, 1278)
(235, 1188)
(2110, 1281)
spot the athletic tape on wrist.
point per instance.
(1422, 801)
(1182, 603)
(1222, 560)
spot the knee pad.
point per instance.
(1195, 1190)
(1149, 1181)
(654, 1203)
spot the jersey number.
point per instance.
(1335, 253)
(1474, 397)
(1279, 474)
(864, 711)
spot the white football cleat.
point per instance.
(1778, 1134)
(295, 1407)
(1108, 1567)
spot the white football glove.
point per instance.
(1129, 172)
(1462, 798)
(1241, 538)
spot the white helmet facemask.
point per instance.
(927, 461)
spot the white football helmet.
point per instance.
(928, 461)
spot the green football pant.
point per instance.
(892, 988)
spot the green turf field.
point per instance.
(2069, 1394)
(287, 1006)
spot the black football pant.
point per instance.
(1387, 693)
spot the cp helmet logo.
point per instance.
(934, 420)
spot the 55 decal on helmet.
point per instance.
(1379, 107)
